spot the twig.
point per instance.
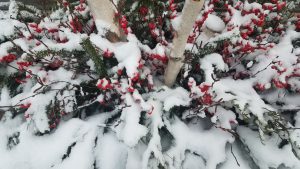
(237, 162)
(264, 68)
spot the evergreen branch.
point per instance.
(96, 58)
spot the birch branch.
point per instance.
(190, 12)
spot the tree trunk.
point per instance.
(190, 12)
(104, 14)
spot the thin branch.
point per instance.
(237, 162)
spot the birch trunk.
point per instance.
(104, 14)
(190, 12)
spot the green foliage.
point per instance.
(10, 82)
(95, 56)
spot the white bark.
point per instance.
(104, 14)
(190, 12)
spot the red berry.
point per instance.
(280, 5)
(260, 87)
(204, 88)
(279, 84)
(120, 71)
(130, 89)
(107, 54)
(52, 30)
(104, 84)
(151, 25)
(25, 106)
(207, 99)
(56, 63)
(8, 58)
(143, 10)
(136, 77)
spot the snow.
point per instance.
(172, 97)
(193, 161)
(73, 43)
(102, 26)
(250, 64)
(5, 99)
(210, 144)
(281, 52)
(4, 47)
(13, 9)
(30, 152)
(154, 145)
(295, 135)
(209, 63)
(6, 31)
(134, 159)
(109, 148)
(241, 161)
(37, 110)
(130, 122)
(144, 130)
(241, 93)
(214, 23)
(291, 101)
(224, 118)
(268, 154)
(128, 55)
